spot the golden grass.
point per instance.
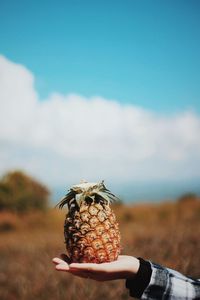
(166, 233)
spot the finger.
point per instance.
(57, 260)
(89, 267)
(83, 266)
(105, 268)
(62, 267)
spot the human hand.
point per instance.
(123, 268)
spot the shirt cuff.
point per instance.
(138, 284)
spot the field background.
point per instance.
(167, 233)
(98, 90)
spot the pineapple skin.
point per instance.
(90, 230)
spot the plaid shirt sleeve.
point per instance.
(162, 283)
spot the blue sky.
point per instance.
(102, 90)
(140, 52)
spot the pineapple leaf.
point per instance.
(111, 196)
(79, 198)
(105, 190)
(66, 199)
(104, 196)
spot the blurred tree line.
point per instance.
(19, 192)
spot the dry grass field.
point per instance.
(167, 233)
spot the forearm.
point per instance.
(156, 282)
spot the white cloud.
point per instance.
(68, 137)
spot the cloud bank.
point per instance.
(65, 138)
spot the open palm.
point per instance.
(124, 267)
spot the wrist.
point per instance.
(133, 267)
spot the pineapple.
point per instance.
(90, 230)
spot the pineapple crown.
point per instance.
(90, 191)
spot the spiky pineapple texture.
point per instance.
(91, 231)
